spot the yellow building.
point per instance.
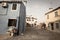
(53, 20)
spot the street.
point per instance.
(35, 34)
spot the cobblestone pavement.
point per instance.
(35, 34)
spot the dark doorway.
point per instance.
(12, 22)
(52, 26)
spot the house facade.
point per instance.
(53, 20)
(12, 13)
(31, 20)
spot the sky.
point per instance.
(38, 8)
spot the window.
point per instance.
(14, 6)
(28, 19)
(48, 24)
(57, 25)
(47, 16)
(33, 18)
(12, 22)
(56, 14)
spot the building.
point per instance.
(53, 20)
(12, 13)
(31, 20)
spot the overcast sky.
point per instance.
(38, 8)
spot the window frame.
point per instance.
(47, 16)
(57, 25)
(56, 13)
(12, 22)
(13, 7)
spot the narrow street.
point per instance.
(35, 34)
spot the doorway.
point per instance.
(52, 26)
(12, 22)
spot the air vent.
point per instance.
(4, 5)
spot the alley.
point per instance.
(35, 34)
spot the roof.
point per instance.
(12, 1)
(52, 10)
